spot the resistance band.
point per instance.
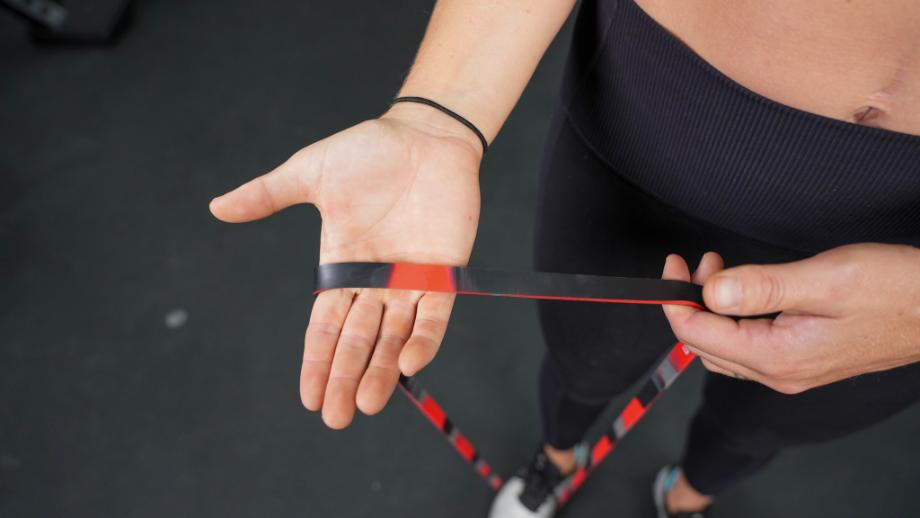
(527, 285)
(524, 285)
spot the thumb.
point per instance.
(751, 290)
(288, 184)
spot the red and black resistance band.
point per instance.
(527, 285)
(524, 285)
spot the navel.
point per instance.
(867, 116)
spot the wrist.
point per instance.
(434, 122)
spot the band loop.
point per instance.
(527, 285)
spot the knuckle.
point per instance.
(324, 329)
(367, 302)
(426, 342)
(391, 340)
(313, 364)
(748, 332)
(424, 349)
(770, 291)
(850, 263)
(268, 198)
(400, 306)
(430, 325)
(342, 381)
(384, 371)
(355, 342)
(853, 269)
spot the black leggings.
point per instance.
(590, 220)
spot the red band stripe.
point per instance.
(680, 357)
(632, 413)
(580, 475)
(600, 450)
(433, 412)
(464, 446)
(413, 276)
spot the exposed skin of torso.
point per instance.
(852, 60)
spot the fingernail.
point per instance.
(728, 292)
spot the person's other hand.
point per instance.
(403, 187)
(844, 312)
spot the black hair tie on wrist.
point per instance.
(459, 118)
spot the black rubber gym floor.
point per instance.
(149, 355)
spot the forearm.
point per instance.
(478, 55)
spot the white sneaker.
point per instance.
(529, 494)
(508, 504)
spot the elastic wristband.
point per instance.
(456, 116)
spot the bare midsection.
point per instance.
(852, 60)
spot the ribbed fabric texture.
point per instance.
(679, 129)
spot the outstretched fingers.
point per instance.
(382, 373)
(352, 353)
(427, 332)
(326, 320)
(358, 342)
